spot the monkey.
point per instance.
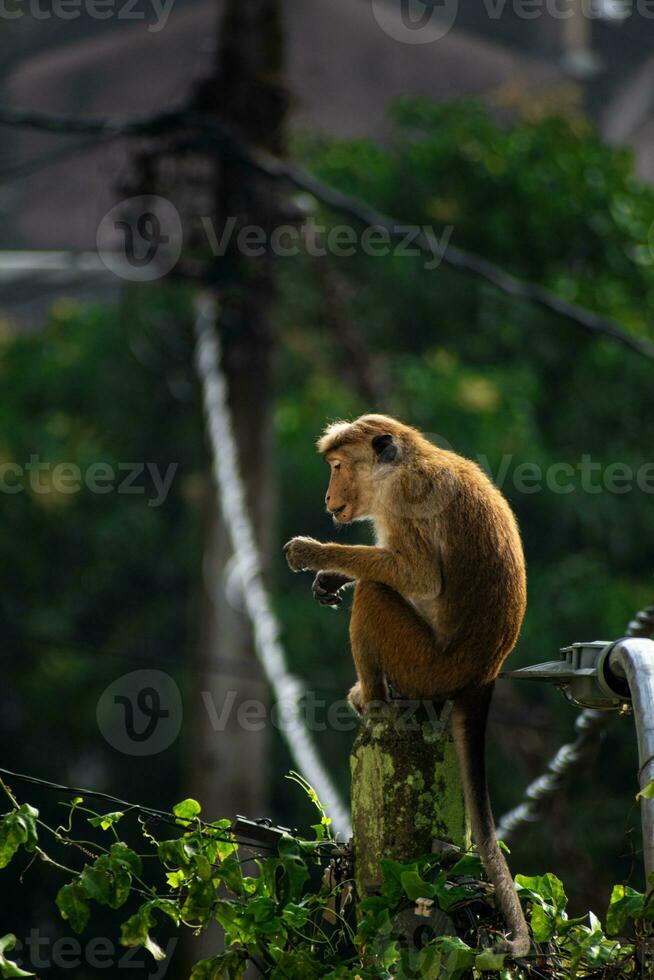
(438, 600)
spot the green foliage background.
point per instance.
(92, 586)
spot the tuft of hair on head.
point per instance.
(335, 435)
(365, 427)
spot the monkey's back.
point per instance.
(484, 592)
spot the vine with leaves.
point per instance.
(293, 917)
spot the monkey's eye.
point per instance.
(337, 466)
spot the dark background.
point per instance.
(534, 142)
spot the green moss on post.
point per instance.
(406, 790)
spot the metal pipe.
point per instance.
(590, 725)
(633, 660)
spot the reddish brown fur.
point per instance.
(450, 548)
(439, 599)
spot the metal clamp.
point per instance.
(583, 675)
(260, 833)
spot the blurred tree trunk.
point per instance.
(229, 765)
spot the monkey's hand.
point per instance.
(303, 554)
(326, 586)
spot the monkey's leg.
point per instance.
(391, 641)
(371, 686)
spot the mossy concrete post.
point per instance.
(406, 789)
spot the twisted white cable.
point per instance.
(248, 569)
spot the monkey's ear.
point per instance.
(384, 448)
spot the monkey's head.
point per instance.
(363, 456)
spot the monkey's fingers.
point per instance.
(328, 599)
(325, 596)
(289, 552)
(302, 554)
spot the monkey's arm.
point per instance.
(360, 561)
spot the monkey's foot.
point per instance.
(379, 706)
(354, 697)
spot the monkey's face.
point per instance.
(346, 480)
(358, 472)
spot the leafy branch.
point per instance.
(292, 917)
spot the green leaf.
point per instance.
(262, 908)
(457, 957)
(187, 809)
(173, 852)
(73, 905)
(489, 961)
(295, 915)
(468, 866)
(168, 907)
(136, 931)
(222, 829)
(176, 878)
(647, 792)
(231, 873)
(425, 963)
(123, 856)
(451, 895)
(17, 828)
(625, 903)
(109, 880)
(107, 820)
(544, 888)
(416, 887)
(542, 924)
(392, 872)
(296, 964)
(97, 881)
(200, 901)
(7, 968)
(295, 870)
(225, 848)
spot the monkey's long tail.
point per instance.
(469, 719)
